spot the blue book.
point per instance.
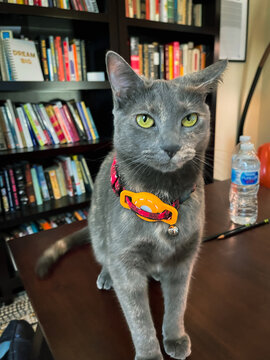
(11, 126)
(42, 182)
(32, 134)
(50, 64)
(92, 122)
(84, 120)
(36, 186)
(8, 188)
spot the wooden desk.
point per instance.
(228, 311)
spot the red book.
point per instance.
(58, 49)
(79, 5)
(134, 54)
(176, 59)
(147, 9)
(55, 124)
(62, 123)
(68, 180)
(69, 119)
(66, 58)
(68, 124)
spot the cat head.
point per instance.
(158, 123)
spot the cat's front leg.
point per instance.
(175, 284)
(132, 292)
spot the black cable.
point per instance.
(251, 91)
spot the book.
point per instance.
(61, 178)
(62, 122)
(89, 123)
(38, 196)
(43, 56)
(87, 172)
(35, 124)
(92, 123)
(54, 182)
(48, 124)
(13, 120)
(23, 60)
(134, 54)
(57, 128)
(6, 128)
(79, 173)
(76, 118)
(84, 120)
(3, 193)
(24, 126)
(8, 190)
(13, 188)
(42, 182)
(29, 184)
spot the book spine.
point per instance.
(36, 186)
(58, 50)
(61, 121)
(53, 55)
(57, 128)
(47, 138)
(84, 121)
(68, 180)
(87, 172)
(31, 132)
(44, 60)
(76, 178)
(9, 190)
(34, 124)
(71, 124)
(74, 51)
(49, 184)
(50, 64)
(29, 185)
(61, 180)
(48, 123)
(3, 192)
(25, 130)
(13, 189)
(6, 128)
(42, 182)
(14, 122)
(83, 61)
(89, 123)
(77, 120)
(66, 58)
(134, 54)
(55, 185)
(11, 127)
(176, 59)
(92, 123)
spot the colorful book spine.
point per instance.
(84, 121)
(55, 124)
(42, 182)
(92, 123)
(3, 193)
(34, 124)
(36, 186)
(89, 123)
(13, 188)
(61, 121)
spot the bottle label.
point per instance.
(245, 177)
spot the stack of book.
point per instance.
(182, 12)
(166, 61)
(62, 58)
(80, 5)
(28, 125)
(23, 184)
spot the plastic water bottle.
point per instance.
(242, 139)
(244, 185)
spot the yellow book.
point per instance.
(170, 61)
(79, 172)
(54, 182)
(88, 121)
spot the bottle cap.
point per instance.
(246, 146)
(244, 138)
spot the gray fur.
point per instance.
(129, 249)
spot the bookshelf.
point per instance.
(108, 29)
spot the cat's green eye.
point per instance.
(190, 120)
(145, 121)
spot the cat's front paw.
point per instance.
(178, 348)
(157, 357)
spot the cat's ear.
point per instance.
(121, 76)
(208, 79)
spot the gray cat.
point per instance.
(161, 134)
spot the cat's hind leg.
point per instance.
(104, 280)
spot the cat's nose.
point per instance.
(171, 150)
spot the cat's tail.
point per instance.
(59, 248)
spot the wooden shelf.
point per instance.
(52, 12)
(49, 208)
(53, 150)
(52, 86)
(148, 24)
